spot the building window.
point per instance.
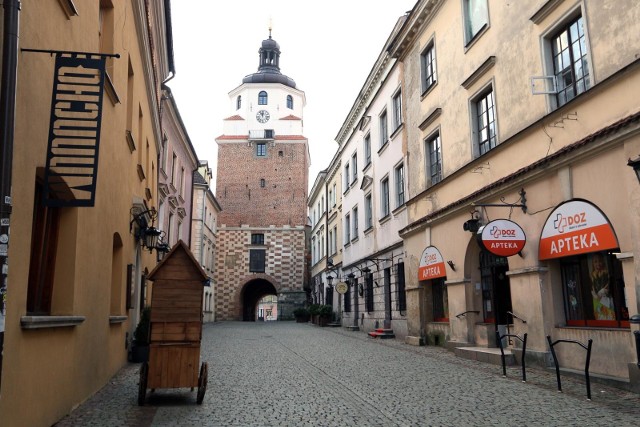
(331, 242)
(290, 102)
(434, 148)
(256, 260)
(44, 242)
(368, 212)
(570, 64)
(263, 183)
(346, 177)
(593, 289)
(384, 197)
(354, 167)
(485, 122)
(399, 175)
(428, 67)
(333, 201)
(476, 18)
(238, 102)
(347, 228)
(400, 284)
(314, 255)
(174, 161)
(367, 150)
(355, 222)
(257, 239)
(263, 98)
(384, 130)
(440, 301)
(335, 240)
(369, 292)
(397, 110)
(261, 149)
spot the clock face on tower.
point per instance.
(262, 116)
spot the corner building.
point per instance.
(523, 118)
(261, 185)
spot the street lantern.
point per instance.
(635, 164)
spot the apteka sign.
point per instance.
(431, 264)
(573, 228)
(503, 237)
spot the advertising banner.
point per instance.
(573, 228)
(431, 264)
(74, 131)
(502, 237)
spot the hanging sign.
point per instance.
(342, 288)
(431, 264)
(502, 237)
(576, 227)
(74, 131)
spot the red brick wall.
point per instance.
(283, 200)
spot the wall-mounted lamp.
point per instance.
(472, 225)
(635, 164)
(146, 234)
(452, 265)
(329, 280)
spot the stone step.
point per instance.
(486, 355)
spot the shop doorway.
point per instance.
(252, 293)
(496, 291)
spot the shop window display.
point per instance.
(593, 289)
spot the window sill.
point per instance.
(385, 218)
(39, 322)
(368, 230)
(355, 239)
(428, 90)
(117, 319)
(383, 147)
(110, 89)
(475, 37)
(397, 131)
(399, 209)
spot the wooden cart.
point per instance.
(176, 326)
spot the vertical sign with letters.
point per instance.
(74, 131)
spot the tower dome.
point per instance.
(269, 67)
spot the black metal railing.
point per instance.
(586, 365)
(524, 353)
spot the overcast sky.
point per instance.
(327, 47)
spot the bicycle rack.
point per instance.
(586, 366)
(524, 353)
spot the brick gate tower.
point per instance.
(262, 180)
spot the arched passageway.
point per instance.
(252, 292)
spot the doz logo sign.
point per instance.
(570, 222)
(502, 237)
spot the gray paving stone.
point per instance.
(292, 374)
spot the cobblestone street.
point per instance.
(290, 374)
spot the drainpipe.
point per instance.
(7, 124)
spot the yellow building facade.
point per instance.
(525, 114)
(76, 274)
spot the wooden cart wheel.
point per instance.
(202, 382)
(142, 385)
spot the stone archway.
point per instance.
(250, 295)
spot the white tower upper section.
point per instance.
(267, 102)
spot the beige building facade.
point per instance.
(523, 213)
(75, 285)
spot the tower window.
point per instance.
(263, 98)
(290, 102)
(262, 183)
(238, 102)
(261, 149)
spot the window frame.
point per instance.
(354, 215)
(470, 36)
(479, 147)
(354, 167)
(399, 178)
(347, 228)
(263, 98)
(383, 127)
(385, 205)
(367, 149)
(433, 178)
(396, 102)
(368, 211)
(261, 149)
(257, 239)
(290, 102)
(428, 67)
(257, 264)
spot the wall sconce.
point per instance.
(472, 225)
(329, 280)
(635, 164)
(146, 234)
(452, 265)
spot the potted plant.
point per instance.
(313, 312)
(301, 314)
(324, 314)
(140, 343)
